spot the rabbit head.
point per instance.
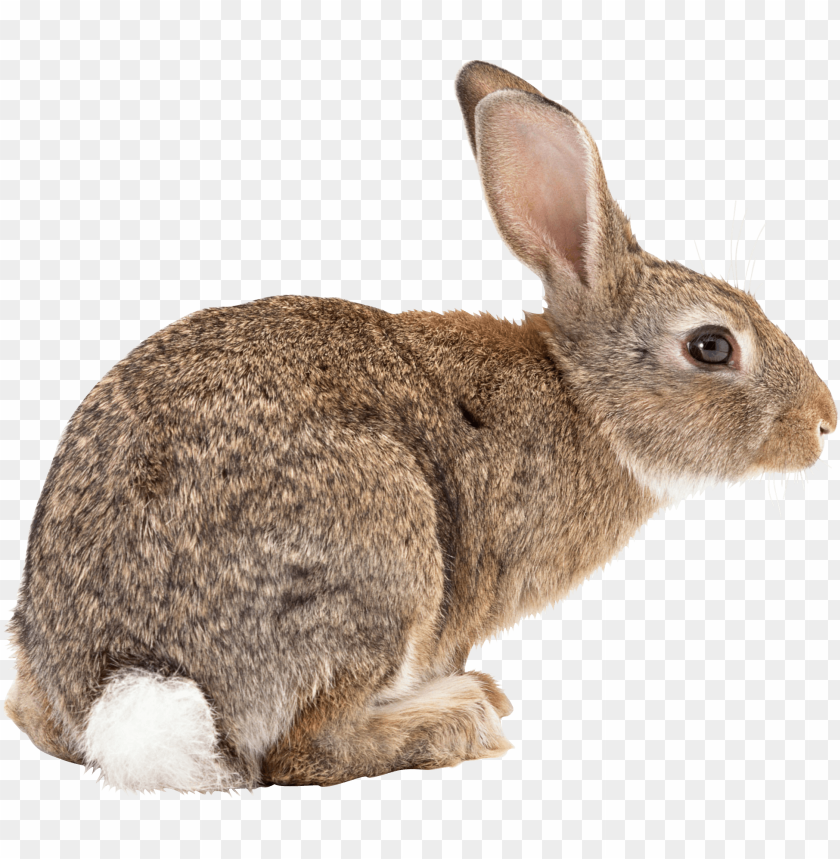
(684, 375)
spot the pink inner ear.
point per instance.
(551, 186)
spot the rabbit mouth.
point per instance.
(788, 462)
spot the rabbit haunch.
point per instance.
(272, 534)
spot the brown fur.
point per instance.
(315, 509)
(478, 79)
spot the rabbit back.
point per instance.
(217, 510)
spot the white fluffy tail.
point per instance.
(148, 732)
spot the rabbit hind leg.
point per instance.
(29, 708)
(442, 723)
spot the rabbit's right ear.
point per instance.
(546, 191)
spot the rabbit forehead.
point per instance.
(683, 301)
(692, 318)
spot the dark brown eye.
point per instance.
(710, 347)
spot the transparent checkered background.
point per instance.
(157, 159)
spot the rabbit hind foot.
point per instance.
(149, 732)
(442, 723)
(449, 720)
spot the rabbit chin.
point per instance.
(670, 489)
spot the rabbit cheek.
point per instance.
(679, 432)
(670, 467)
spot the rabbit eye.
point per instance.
(710, 347)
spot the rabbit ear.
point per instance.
(478, 79)
(548, 196)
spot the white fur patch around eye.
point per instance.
(682, 326)
(148, 732)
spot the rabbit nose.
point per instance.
(826, 413)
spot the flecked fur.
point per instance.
(312, 510)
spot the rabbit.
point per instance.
(272, 534)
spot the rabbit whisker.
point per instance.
(700, 259)
(753, 262)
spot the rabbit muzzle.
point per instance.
(798, 436)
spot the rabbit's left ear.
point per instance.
(478, 79)
(546, 189)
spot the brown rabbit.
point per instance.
(272, 534)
